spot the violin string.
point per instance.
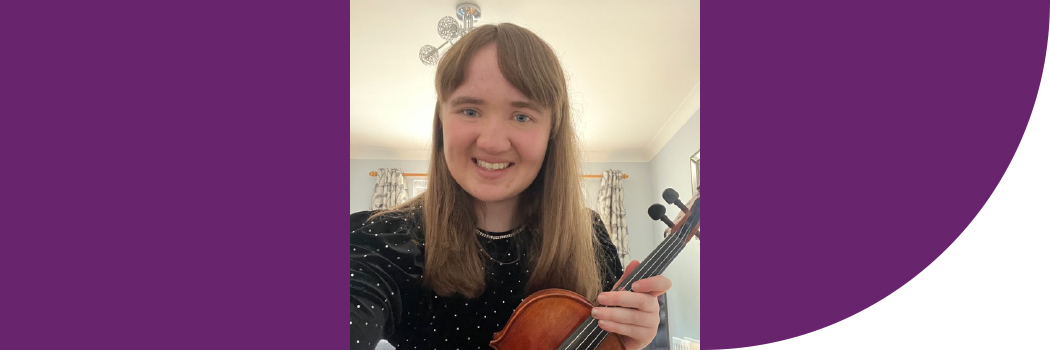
(576, 343)
(654, 259)
(591, 326)
(591, 340)
(662, 260)
(665, 259)
(593, 344)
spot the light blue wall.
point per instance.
(670, 168)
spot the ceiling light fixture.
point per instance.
(450, 30)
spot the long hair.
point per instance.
(563, 252)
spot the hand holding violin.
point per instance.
(629, 315)
(637, 314)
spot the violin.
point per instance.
(561, 319)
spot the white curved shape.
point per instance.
(990, 289)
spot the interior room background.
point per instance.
(633, 82)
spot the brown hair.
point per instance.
(563, 252)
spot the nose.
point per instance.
(494, 137)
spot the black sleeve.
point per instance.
(386, 265)
(613, 269)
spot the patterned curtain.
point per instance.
(390, 189)
(610, 208)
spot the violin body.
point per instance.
(545, 319)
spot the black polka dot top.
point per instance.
(389, 300)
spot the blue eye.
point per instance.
(470, 112)
(521, 118)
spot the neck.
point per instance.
(497, 216)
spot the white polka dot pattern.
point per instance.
(389, 300)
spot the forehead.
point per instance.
(483, 76)
(485, 60)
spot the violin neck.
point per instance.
(668, 249)
(588, 335)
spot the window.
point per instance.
(418, 186)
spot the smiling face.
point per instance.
(495, 138)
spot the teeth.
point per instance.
(492, 166)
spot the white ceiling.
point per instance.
(633, 70)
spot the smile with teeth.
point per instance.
(491, 166)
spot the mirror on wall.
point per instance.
(694, 167)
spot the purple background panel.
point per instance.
(845, 146)
(174, 175)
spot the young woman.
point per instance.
(502, 217)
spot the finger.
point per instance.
(655, 286)
(627, 271)
(640, 301)
(644, 335)
(627, 316)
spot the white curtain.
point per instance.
(390, 189)
(611, 209)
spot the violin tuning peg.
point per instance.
(671, 196)
(657, 212)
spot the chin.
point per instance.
(491, 197)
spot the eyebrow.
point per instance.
(465, 100)
(525, 104)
